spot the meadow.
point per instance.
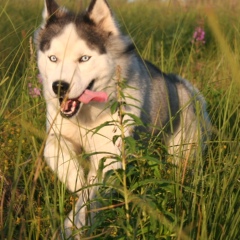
(151, 198)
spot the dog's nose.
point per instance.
(60, 87)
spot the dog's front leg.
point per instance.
(82, 214)
(79, 216)
(60, 156)
(76, 218)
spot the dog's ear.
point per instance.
(100, 13)
(50, 7)
(51, 10)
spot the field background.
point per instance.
(159, 200)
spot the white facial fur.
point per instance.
(68, 48)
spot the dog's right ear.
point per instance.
(52, 9)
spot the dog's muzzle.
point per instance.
(68, 107)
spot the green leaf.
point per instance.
(115, 138)
(136, 119)
(114, 107)
(130, 143)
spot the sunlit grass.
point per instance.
(164, 201)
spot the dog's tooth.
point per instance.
(73, 106)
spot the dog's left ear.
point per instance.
(100, 13)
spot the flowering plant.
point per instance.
(33, 90)
(199, 36)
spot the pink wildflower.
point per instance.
(33, 90)
(37, 91)
(199, 35)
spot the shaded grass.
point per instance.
(163, 203)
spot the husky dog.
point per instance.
(80, 58)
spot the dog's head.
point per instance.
(73, 59)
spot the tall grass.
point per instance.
(152, 199)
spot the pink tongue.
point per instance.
(89, 96)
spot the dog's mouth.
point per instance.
(69, 107)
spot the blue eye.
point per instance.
(84, 58)
(52, 58)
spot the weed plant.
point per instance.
(149, 198)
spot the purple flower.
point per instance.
(199, 35)
(37, 91)
(34, 92)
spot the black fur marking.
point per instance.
(94, 37)
(129, 49)
(86, 30)
(90, 86)
(152, 66)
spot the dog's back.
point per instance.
(171, 107)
